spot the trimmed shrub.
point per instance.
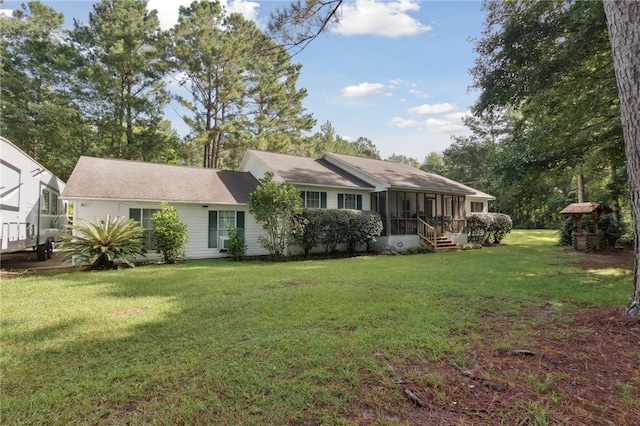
(331, 227)
(169, 233)
(488, 228)
(237, 244)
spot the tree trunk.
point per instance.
(580, 187)
(623, 19)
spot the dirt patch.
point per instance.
(609, 258)
(582, 370)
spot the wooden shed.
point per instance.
(586, 240)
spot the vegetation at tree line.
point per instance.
(546, 119)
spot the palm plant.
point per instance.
(99, 244)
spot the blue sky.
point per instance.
(395, 72)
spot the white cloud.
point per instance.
(6, 12)
(362, 89)
(168, 10)
(429, 109)
(383, 18)
(418, 93)
(403, 123)
(440, 125)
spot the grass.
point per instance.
(217, 342)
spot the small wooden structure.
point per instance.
(584, 240)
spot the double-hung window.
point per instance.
(314, 199)
(350, 201)
(221, 222)
(144, 217)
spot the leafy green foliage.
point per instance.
(488, 228)
(331, 227)
(99, 244)
(548, 111)
(609, 226)
(275, 205)
(169, 233)
(237, 244)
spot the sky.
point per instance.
(393, 71)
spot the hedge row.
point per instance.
(330, 228)
(487, 228)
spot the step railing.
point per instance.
(428, 234)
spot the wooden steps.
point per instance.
(445, 244)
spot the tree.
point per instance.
(38, 112)
(545, 69)
(433, 163)
(121, 81)
(275, 205)
(398, 158)
(299, 24)
(169, 233)
(240, 86)
(624, 32)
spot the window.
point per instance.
(221, 222)
(477, 207)
(350, 201)
(144, 217)
(45, 202)
(313, 199)
(54, 204)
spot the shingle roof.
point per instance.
(310, 171)
(585, 208)
(97, 178)
(401, 176)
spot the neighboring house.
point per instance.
(416, 207)
(209, 201)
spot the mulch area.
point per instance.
(577, 370)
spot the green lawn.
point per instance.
(217, 342)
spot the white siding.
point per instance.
(332, 195)
(196, 217)
(470, 199)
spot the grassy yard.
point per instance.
(217, 342)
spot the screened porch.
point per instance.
(402, 212)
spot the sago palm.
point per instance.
(99, 244)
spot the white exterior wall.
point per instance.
(332, 195)
(196, 217)
(471, 198)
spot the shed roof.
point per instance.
(585, 208)
(111, 179)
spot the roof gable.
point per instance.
(98, 178)
(398, 175)
(307, 171)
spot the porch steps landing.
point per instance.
(445, 244)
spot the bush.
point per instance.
(612, 230)
(99, 244)
(169, 233)
(276, 206)
(237, 244)
(330, 227)
(488, 228)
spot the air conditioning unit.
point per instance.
(223, 243)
